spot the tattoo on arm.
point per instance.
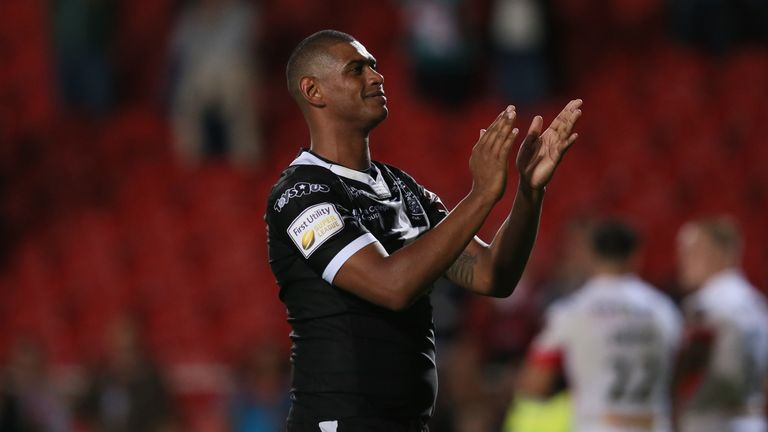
(462, 272)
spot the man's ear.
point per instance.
(310, 91)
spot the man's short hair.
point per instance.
(724, 233)
(614, 240)
(306, 53)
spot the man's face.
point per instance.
(351, 86)
(697, 257)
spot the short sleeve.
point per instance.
(314, 218)
(547, 349)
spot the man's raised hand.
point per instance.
(490, 156)
(540, 153)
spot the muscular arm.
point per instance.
(536, 381)
(496, 269)
(395, 281)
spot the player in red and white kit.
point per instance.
(615, 338)
(725, 357)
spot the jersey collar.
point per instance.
(378, 185)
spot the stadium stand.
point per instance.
(101, 221)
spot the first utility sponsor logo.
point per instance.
(298, 190)
(314, 226)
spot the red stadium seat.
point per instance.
(107, 223)
(742, 87)
(677, 86)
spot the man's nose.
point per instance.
(375, 77)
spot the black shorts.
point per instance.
(361, 424)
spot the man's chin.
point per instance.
(688, 286)
(380, 117)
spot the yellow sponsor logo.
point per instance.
(327, 224)
(308, 239)
(314, 226)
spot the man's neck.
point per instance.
(346, 149)
(608, 268)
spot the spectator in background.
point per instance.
(260, 402)
(725, 359)
(214, 107)
(127, 392)
(616, 339)
(518, 35)
(83, 35)
(442, 49)
(720, 25)
(28, 400)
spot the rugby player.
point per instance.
(616, 338)
(723, 364)
(355, 244)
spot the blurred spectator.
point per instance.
(126, 392)
(214, 107)
(720, 25)
(82, 36)
(28, 400)
(442, 49)
(260, 402)
(616, 338)
(518, 35)
(725, 359)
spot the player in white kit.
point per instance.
(723, 363)
(616, 338)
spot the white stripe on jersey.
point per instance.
(334, 266)
(378, 184)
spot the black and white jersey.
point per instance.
(351, 358)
